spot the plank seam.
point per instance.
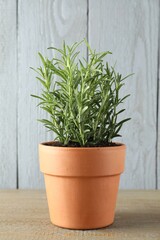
(87, 27)
(17, 172)
(157, 112)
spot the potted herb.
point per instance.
(82, 166)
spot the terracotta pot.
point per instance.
(82, 184)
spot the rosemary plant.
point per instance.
(83, 101)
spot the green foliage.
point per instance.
(83, 102)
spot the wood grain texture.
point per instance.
(130, 30)
(8, 89)
(41, 24)
(24, 215)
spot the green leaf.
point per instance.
(84, 110)
(122, 99)
(123, 121)
(42, 81)
(42, 58)
(56, 49)
(35, 96)
(120, 111)
(129, 75)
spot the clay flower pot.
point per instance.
(82, 184)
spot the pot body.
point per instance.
(82, 184)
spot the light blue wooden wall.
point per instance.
(128, 28)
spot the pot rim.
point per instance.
(119, 146)
(77, 161)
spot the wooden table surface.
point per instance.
(24, 215)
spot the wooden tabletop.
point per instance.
(24, 215)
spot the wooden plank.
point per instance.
(158, 116)
(26, 217)
(8, 89)
(130, 30)
(41, 24)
